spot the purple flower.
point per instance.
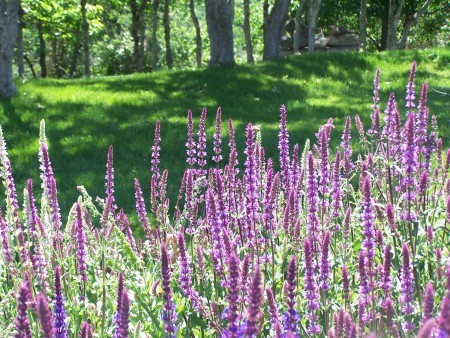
(345, 284)
(109, 178)
(216, 231)
(217, 137)
(81, 245)
(201, 145)
(254, 305)
(123, 320)
(409, 163)
(234, 286)
(428, 301)
(86, 331)
(22, 322)
(168, 315)
(4, 237)
(273, 313)
(368, 221)
(410, 93)
(312, 220)
(311, 287)
(233, 161)
(323, 138)
(59, 312)
(283, 147)
(325, 263)
(407, 288)
(428, 329)
(118, 315)
(347, 148)
(155, 150)
(336, 203)
(386, 278)
(45, 316)
(291, 316)
(252, 206)
(190, 144)
(140, 208)
(124, 224)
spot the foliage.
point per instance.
(344, 238)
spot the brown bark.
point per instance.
(138, 32)
(393, 21)
(247, 34)
(9, 10)
(410, 22)
(298, 17)
(42, 50)
(166, 23)
(273, 29)
(198, 36)
(85, 29)
(20, 57)
(363, 24)
(314, 8)
(220, 32)
(154, 35)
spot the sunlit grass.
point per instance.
(84, 117)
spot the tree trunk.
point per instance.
(412, 20)
(138, 33)
(314, 9)
(220, 32)
(9, 10)
(166, 22)
(363, 24)
(20, 58)
(298, 18)
(85, 29)
(198, 36)
(247, 34)
(42, 50)
(393, 20)
(274, 28)
(75, 55)
(154, 36)
(384, 33)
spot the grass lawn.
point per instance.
(83, 117)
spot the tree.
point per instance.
(138, 32)
(273, 28)
(9, 12)
(247, 35)
(198, 35)
(363, 23)
(166, 23)
(154, 35)
(220, 32)
(298, 17)
(85, 29)
(314, 8)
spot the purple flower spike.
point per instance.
(190, 144)
(234, 286)
(313, 200)
(169, 314)
(155, 150)
(325, 263)
(428, 301)
(122, 327)
(5, 240)
(407, 288)
(118, 315)
(283, 146)
(311, 288)
(218, 137)
(274, 315)
(109, 178)
(386, 279)
(86, 331)
(368, 221)
(201, 145)
(140, 208)
(81, 245)
(22, 322)
(45, 316)
(410, 93)
(252, 206)
(444, 317)
(291, 317)
(345, 284)
(254, 308)
(59, 312)
(428, 329)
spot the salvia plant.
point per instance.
(318, 241)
